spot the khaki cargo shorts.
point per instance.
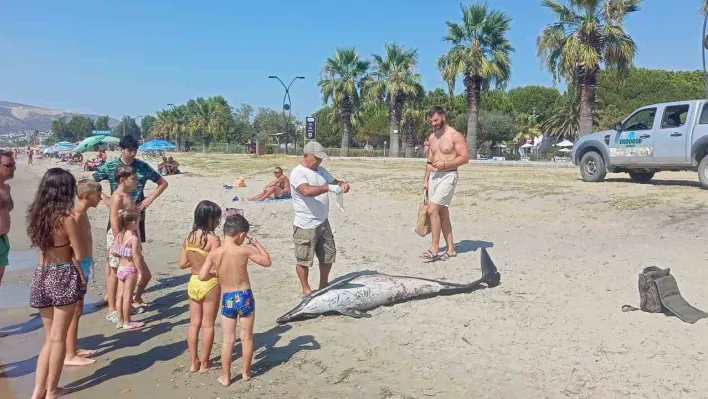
(310, 242)
(441, 187)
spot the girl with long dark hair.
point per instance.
(203, 295)
(58, 283)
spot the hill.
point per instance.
(19, 118)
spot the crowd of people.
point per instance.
(58, 226)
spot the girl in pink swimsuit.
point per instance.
(127, 247)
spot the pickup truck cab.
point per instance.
(659, 137)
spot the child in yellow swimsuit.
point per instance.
(203, 295)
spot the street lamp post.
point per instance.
(128, 117)
(287, 106)
(179, 128)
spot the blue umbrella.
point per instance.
(64, 146)
(156, 144)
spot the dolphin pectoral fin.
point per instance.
(357, 314)
(330, 287)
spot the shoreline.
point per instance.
(568, 252)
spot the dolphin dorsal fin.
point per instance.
(331, 287)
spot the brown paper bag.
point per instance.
(422, 226)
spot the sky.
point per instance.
(133, 57)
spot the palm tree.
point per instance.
(480, 53)
(169, 124)
(527, 128)
(393, 82)
(588, 33)
(563, 121)
(342, 80)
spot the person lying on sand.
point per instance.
(279, 188)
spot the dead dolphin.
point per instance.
(355, 295)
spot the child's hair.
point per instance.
(206, 217)
(125, 217)
(235, 224)
(87, 186)
(123, 171)
(53, 201)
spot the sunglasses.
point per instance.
(9, 165)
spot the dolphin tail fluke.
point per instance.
(490, 274)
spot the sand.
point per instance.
(568, 252)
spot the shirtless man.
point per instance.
(7, 172)
(448, 151)
(279, 188)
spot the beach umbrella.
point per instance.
(564, 143)
(156, 144)
(91, 141)
(63, 146)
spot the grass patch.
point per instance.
(637, 202)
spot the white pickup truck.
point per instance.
(669, 136)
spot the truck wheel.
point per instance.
(641, 177)
(592, 167)
(703, 172)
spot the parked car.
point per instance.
(659, 137)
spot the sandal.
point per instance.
(112, 317)
(430, 256)
(132, 325)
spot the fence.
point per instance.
(226, 148)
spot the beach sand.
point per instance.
(568, 253)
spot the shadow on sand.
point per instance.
(35, 321)
(654, 182)
(466, 246)
(125, 339)
(271, 356)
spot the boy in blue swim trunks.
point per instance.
(229, 262)
(88, 192)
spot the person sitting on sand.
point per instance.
(162, 165)
(279, 188)
(168, 166)
(173, 166)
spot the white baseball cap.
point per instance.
(315, 149)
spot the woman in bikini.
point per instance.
(203, 295)
(130, 266)
(58, 283)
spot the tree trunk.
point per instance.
(473, 85)
(394, 134)
(346, 134)
(587, 101)
(408, 137)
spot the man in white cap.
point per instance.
(310, 185)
